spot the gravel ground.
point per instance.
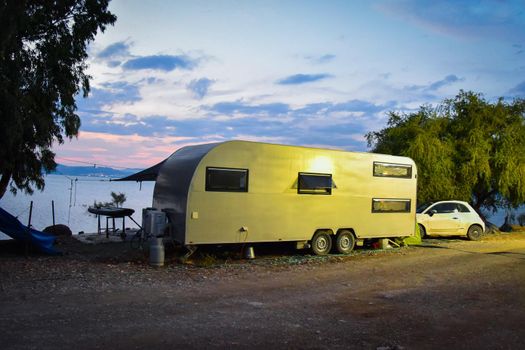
(445, 293)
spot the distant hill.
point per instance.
(93, 171)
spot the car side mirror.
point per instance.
(432, 212)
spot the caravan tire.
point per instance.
(321, 243)
(345, 242)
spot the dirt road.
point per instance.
(445, 294)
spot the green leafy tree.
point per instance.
(466, 148)
(43, 46)
(118, 198)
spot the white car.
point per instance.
(449, 218)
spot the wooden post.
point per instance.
(28, 238)
(30, 214)
(70, 199)
(98, 227)
(53, 211)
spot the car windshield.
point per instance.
(423, 206)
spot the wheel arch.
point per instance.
(347, 229)
(326, 230)
(478, 225)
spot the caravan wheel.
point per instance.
(321, 243)
(344, 242)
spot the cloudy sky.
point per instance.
(313, 73)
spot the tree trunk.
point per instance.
(480, 201)
(4, 181)
(477, 207)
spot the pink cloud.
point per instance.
(119, 151)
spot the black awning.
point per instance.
(149, 174)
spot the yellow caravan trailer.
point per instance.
(248, 192)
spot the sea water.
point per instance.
(72, 196)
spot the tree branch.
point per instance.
(4, 181)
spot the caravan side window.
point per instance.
(226, 179)
(392, 170)
(387, 205)
(311, 183)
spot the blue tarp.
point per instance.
(15, 229)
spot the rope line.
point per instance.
(94, 164)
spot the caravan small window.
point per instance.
(310, 183)
(226, 180)
(392, 170)
(387, 205)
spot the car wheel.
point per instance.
(345, 242)
(321, 243)
(474, 232)
(422, 232)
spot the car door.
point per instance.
(444, 220)
(466, 218)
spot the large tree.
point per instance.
(43, 46)
(466, 148)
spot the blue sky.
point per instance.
(312, 73)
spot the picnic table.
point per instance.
(112, 213)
